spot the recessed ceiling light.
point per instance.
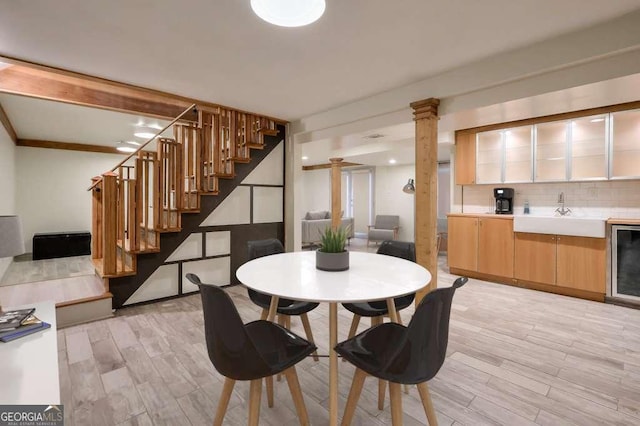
(144, 135)
(289, 13)
(392, 161)
(124, 148)
(305, 157)
(596, 120)
(132, 143)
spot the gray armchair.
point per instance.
(385, 228)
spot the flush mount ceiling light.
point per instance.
(289, 13)
(392, 161)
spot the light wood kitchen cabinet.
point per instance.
(561, 260)
(465, 159)
(535, 257)
(495, 246)
(588, 146)
(481, 244)
(462, 251)
(581, 263)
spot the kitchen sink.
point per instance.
(561, 225)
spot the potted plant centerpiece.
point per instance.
(332, 256)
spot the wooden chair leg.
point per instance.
(354, 395)
(287, 322)
(396, 403)
(296, 394)
(223, 403)
(265, 314)
(268, 381)
(281, 321)
(382, 387)
(354, 325)
(307, 330)
(255, 391)
(425, 396)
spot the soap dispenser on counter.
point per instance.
(526, 207)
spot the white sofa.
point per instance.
(314, 224)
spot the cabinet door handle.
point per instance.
(553, 238)
(558, 239)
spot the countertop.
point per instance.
(30, 363)
(493, 215)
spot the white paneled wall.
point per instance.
(603, 199)
(7, 183)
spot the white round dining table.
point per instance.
(369, 277)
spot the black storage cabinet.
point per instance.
(61, 244)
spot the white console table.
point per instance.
(29, 365)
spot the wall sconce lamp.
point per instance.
(409, 188)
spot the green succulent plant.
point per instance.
(333, 241)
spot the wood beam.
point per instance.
(328, 166)
(42, 85)
(6, 123)
(101, 93)
(426, 206)
(69, 146)
(336, 192)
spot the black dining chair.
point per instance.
(409, 355)
(376, 310)
(286, 307)
(250, 351)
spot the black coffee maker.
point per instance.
(504, 200)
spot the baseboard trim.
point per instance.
(565, 291)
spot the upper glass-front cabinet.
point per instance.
(551, 151)
(625, 144)
(504, 155)
(518, 144)
(569, 150)
(489, 157)
(588, 148)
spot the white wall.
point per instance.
(51, 189)
(618, 199)
(316, 190)
(390, 199)
(7, 183)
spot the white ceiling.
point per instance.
(59, 122)
(219, 51)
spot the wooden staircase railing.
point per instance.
(146, 194)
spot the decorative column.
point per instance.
(336, 192)
(426, 206)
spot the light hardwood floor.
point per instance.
(515, 357)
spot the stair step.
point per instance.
(269, 132)
(165, 230)
(97, 264)
(209, 193)
(225, 175)
(241, 160)
(190, 211)
(149, 249)
(255, 145)
(84, 310)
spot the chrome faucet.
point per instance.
(561, 210)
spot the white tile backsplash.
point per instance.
(602, 199)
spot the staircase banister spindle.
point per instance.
(182, 114)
